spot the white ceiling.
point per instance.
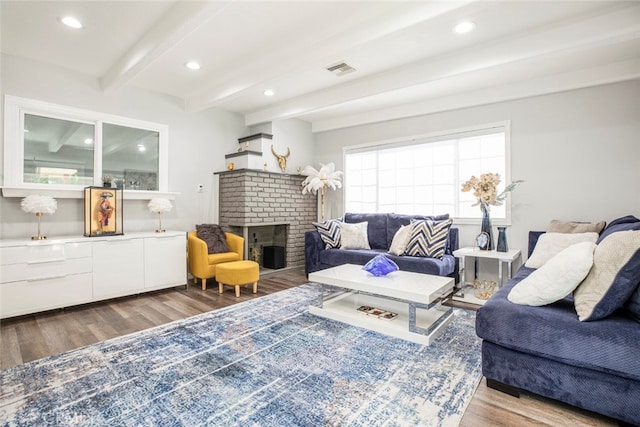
(408, 60)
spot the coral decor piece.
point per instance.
(380, 265)
(39, 205)
(319, 180)
(159, 205)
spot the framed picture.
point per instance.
(102, 211)
(482, 241)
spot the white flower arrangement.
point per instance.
(159, 205)
(39, 204)
(320, 180)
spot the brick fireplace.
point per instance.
(267, 209)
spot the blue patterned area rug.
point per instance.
(264, 362)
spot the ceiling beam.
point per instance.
(276, 63)
(179, 21)
(613, 27)
(603, 74)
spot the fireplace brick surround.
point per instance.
(252, 198)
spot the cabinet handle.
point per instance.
(36, 279)
(43, 261)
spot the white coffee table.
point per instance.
(416, 298)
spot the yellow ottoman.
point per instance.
(238, 273)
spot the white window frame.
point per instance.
(15, 109)
(442, 136)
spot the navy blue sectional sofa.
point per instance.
(547, 351)
(380, 231)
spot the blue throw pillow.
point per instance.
(624, 223)
(329, 233)
(428, 238)
(614, 277)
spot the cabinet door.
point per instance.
(165, 262)
(118, 267)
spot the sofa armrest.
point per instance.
(235, 244)
(198, 255)
(313, 246)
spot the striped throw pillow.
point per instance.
(428, 238)
(329, 233)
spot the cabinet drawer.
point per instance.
(44, 252)
(44, 270)
(24, 297)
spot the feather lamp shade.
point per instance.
(159, 205)
(39, 205)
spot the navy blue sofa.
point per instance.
(548, 351)
(380, 230)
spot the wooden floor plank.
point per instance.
(34, 336)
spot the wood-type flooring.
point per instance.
(32, 337)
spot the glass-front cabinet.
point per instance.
(49, 147)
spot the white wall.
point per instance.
(197, 145)
(578, 151)
(294, 134)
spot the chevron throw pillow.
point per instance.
(329, 233)
(428, 238)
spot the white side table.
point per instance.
(502, 257)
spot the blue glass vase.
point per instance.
(486, 225)
(502, 240)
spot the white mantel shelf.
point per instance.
(79, 194)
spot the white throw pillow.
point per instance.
(354, 236)
(400, 240)
(551, 244)
(557, 278)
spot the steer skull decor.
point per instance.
(282, 160)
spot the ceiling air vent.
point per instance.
(341, 69)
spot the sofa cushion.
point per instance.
(400, 240)
(557, 278)
(354, 236)
(624, 223)
(550, 244)
(329, 233)
(214, 237)
(613, 279)
(553, 331)
(395, 221)
(556, 226)
(376, 228)
(428, 238)
(348, 256)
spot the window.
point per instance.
(53, 147)
(424, 175)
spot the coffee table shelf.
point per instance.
(417, 298)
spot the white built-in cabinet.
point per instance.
(61, 272)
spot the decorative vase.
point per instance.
(486, 225)
(502, 240)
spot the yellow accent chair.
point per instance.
(202, 264)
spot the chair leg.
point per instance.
(237, 291)
(255, 287)
(204, 284)
(220, 287)
(195, 280)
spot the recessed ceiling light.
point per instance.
(88, 141)
(26, 131)
(70, 22)
(192, 65)
(269, 92)
(464, 27)
(141, 148)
